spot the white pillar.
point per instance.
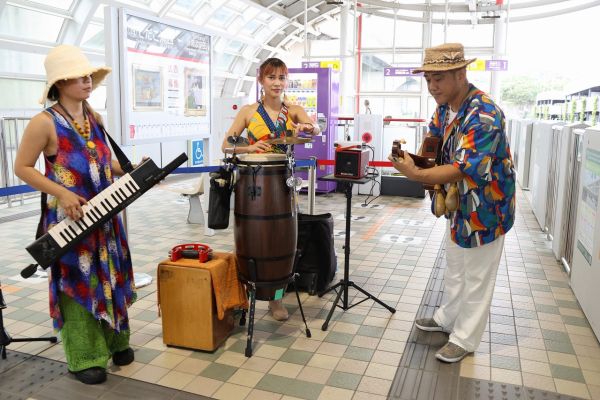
(347, 62)
(427, 33)
(499, 53)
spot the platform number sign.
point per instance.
(197, 153)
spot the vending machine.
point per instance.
(585, 272)
(317, 91)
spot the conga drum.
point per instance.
(265, 227)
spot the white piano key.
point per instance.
(57, 238)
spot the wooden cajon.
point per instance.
(187, 303)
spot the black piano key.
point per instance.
(125, 195)
(109, 202)
(80, 225)
(115, 198)
(85, 224)
(97, 213)
(91, 215)
(72, 230)
(130, 187)
(105, 206)
(65, 237)
(69, 234)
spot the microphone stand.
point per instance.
(6, 339)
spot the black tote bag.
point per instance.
(219, 199)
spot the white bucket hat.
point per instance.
(69, 62)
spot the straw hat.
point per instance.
(445, 57)
(69, 62)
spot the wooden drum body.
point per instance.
(265, 227)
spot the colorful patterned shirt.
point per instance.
(475, 142)
(97, 273)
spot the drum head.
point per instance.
(264, 159)
(261, 157)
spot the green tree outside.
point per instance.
(520, 91)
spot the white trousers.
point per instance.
(469, 283)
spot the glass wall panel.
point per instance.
(263, 35)
(394, 107)
(234, 46)
(223, 61)
(221, 17)
(186, 6)
(218, 87)
(93, 37)
(26, 63)
(325, 48)
(99, 13)
(237, 5)
(98, 98)
(378, 32)
(480, 35)
(28, 24)
(481, 79)
(373, 72)
(24, 93)
(240, 66)
(250, 15)
(250, 27)
(62, 4)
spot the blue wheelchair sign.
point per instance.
(197, 152)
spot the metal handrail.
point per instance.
(11, 132)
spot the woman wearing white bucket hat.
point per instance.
(92, 285)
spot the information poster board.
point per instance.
(165, 75)
(590, 194)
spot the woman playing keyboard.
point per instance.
(92, 285)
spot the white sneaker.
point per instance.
(451, 353)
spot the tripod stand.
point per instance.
(5, 338)
(346, 283)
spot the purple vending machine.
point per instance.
(316, 89)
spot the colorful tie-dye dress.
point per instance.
(97, 273)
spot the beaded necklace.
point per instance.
(85, 132)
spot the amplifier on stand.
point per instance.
(351, 162)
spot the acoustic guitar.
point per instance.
(431, 148)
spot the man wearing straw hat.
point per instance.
(478, 178)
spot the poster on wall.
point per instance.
(165, 75)
(590, 193)
(147, 88)
(195, 101)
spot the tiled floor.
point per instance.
(538, 336)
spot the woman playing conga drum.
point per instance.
(269, 118)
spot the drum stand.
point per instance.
(252, 285)
(5, 338)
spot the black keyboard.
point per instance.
(67, 233)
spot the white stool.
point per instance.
(191, 187)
